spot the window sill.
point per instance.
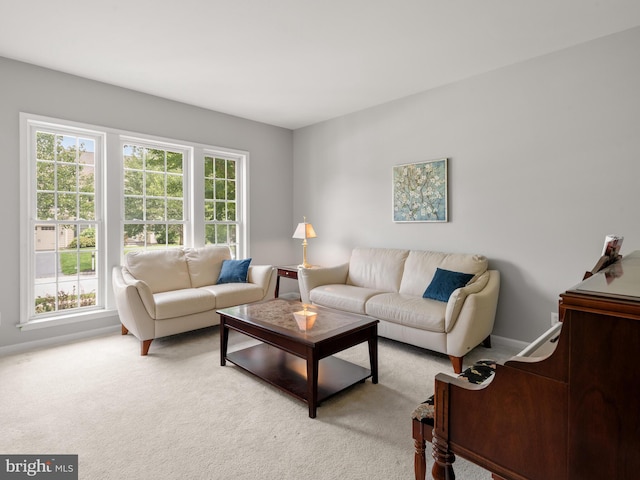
(67, 319)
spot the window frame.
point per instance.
(109, 179)
(28, 170)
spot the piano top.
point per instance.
(620, 280)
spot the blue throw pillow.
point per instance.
(234, 271)
(444, 283)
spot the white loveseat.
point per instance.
(165, 292)
(388, 284)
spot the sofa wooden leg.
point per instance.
(487, 342)
(124, 329)
(457, 363)
(144, 346)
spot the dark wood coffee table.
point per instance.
(300, 362)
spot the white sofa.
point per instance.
(388, 284)
(165, 292)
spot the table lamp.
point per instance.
(304, 230)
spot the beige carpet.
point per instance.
(177, 414)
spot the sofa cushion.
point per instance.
(232, 294)
(408, 310)
(161, 270)
(205, 264)
(347, 298)
(444, 283)
(187, 301)
(234, 271)
(420, 267)
(377, 268)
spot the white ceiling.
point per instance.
(293, 63)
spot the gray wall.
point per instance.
(26, 88)
(543, 164)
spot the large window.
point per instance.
(66, 220)
(91, 194)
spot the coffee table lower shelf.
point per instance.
(289, 373)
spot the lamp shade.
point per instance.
(304, 230)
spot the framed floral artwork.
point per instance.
(420, 192)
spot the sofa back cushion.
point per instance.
(420, 267)
(162, 270)
(377, 268)
(204, 264)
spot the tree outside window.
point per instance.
(220, 201)
(153, 197)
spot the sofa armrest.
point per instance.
(310, 278)
(458, 297)
(475, 315)
(264, 277)
(143, 290)
(135, 304)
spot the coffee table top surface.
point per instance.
(277, 315)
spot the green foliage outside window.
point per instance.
(65, 177)
(65, 301)
(220, 202)
(153, 196)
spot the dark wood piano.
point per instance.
(568, 407)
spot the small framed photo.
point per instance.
(420, 192)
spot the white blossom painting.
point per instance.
(420, 192)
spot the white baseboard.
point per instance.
(291, 296)
(509, 342)
(59, 340)
(26, 346)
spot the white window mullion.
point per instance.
(196, 185)
(112, 187)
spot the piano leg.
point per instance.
(442, 468)
(439, 472)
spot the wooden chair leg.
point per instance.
(124, 329)
(144, 346)
(457, 363)
(420, 460)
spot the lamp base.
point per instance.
(304, 263)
